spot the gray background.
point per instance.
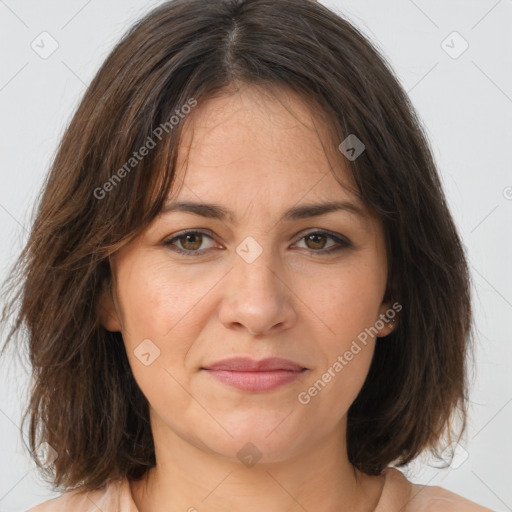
(464, 102)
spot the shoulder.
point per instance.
(438, 499)
(425, 498)
(108, 498)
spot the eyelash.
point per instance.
(344, 243)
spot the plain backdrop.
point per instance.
(454, 60)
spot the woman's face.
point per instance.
(259, 284)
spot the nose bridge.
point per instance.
(257, 298)
(254, 263)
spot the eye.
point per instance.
(189, 242)
(316, 242)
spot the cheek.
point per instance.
(333, 387)
(348, 304)
(346, 301)
(160, 310)
(159, 302)
(164, 311)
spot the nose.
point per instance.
(258, 298)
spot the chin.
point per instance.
(257, 439)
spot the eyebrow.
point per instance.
(303, 211)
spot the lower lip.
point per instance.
(256, 381)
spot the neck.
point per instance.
(189, 477)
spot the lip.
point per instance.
(246, 364)
(251, 375)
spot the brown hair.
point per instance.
(84, 401)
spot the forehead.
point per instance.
(259, 144)
(253, 122)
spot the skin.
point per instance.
(250, 154)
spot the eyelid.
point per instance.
(323, 231)
(342, 241)
(180, 234)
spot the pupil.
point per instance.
(311, 237)
(187, 240)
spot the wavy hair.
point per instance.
(84, 401)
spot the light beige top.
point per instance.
(398, 495)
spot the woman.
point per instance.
(243, 288)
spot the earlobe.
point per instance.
(106, 310)
(386, 321)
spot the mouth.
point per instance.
(256, 381)
(251, 375)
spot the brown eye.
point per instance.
(189, 243)
(317, 242)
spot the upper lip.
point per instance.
(246, 364)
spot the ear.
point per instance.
(106, 310)
(387, 319)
